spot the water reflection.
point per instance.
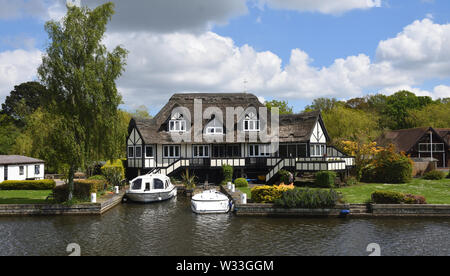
(170, 228)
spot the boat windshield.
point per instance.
(137, 184)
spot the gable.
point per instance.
(134, 138)
(318, 135)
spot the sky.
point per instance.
(294, 50)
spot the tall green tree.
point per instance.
(323, 104)
(81, 73)
(283, 106)
(8, 134)
(23, 101)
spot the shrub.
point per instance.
(82, 189)
(241, 182)
(325, 179)
(227, 172)
(434, 175)
(448, 176)
(113, 176)
(97, 177)
(388, 167)
(307, 198)
(268, 194)
(414, 199)
(46, 184)
(387, 197)
(285, 176)
(351, 181)
(117, 165)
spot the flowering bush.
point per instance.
(268, 194)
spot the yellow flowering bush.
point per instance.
(268, 194)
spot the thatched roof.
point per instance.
(18, 160)
(406, 139)
(293, 128)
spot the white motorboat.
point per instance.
(151, 188)
(210, 202)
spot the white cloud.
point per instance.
(16, 67)
(440, 91)
(14, 9)
(322, 6)
(421, 50)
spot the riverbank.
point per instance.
(104, 204)
(340, 210)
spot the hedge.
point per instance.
(308, 198)
(434, 175)
(82, 189)
(241, 182)
(325, 179)
(268, 194)
(388, 197)
(117, 165)
(46, 184)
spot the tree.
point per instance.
(23, 100)
(435, 115)
(141, 113)
(283, 106)
(323, 104)
(80, 73)
(8, 134)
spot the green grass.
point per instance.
(435, 191)
(24, 197)
(247, 191)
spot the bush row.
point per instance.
(46, 184)
(308, 198)
(388, 197)
(82, 189)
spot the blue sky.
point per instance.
(214, 48)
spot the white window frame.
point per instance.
(177, 126)
(251, 123)
(318, 150)
(204, 148)
(136, 152)
(434, 145)
(173, 147)
(214, 130)
(264, 150)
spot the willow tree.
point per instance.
(80, 74)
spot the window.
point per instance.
(214, 130)
(251, 122)
(37, 169)
(147, 187)
(259, 150)
(171, 151)
(158, 184)
(177, 123)
(131, 152)
(138, 152)
(318, 150)
(137, 184)
(149, 151)
(21, 170)
(226, 151)
(427, 147)
(200, 151)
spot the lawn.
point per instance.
(247, 191)
(24, 197)
(435, 191)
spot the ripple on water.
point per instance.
(170, 228)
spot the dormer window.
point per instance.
(251, 122)
(214, 130)
(177, 123)
(214, 127)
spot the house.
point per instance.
(190, 132)
(424, 142)
(15, 167)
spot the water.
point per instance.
(170, 228)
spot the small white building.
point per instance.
(16, 167)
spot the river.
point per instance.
(170, 228)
